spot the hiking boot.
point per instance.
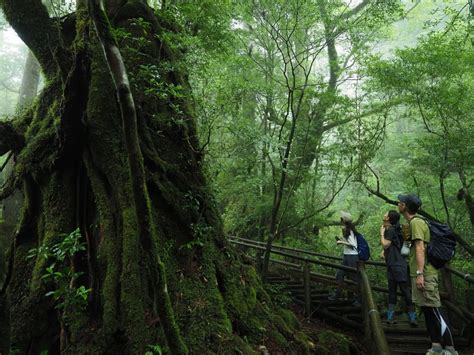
(412, 319)
(391, 317)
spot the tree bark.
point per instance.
(145, 231)
(80, 171)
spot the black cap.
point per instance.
(412, 201)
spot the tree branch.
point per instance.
(355, 10)
(467, 247)
(32, 23)
(8, 87)
(6, 161)
(10, 139)
(302, 219)
(375, 110)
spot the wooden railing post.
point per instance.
(447, 285)
(307, 289)
(447, 282)
(470, 307)
(373, 327)
(364, 309)
(372, 324)
(258, 257)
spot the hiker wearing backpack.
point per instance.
(424, 277)
(350, 255)
(391, 240)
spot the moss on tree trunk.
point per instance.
(217, 300)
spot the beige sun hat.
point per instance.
(346, 216)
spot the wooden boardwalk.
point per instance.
(304, 275)
(401, 337)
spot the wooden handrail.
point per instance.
(374, 331)
(461, 312)
(375, 335)
(443, 295)
(466, 277)
(307, 289)
(281, 247)
(298, 257)
(302, 251)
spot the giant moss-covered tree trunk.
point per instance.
(73, 167)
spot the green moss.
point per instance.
(290, 319)
(201, 314)
(336, 343)
(321, 350)
(131, 290)
(58, 217)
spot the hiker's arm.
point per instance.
(420, 254)
(352, 240)
(384, 242)
(420, 262)
(344, 242)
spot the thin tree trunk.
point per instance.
(467, 195)
(28, 91)
(29, 82)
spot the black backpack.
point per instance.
(442, 245)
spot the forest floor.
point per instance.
(313, 327)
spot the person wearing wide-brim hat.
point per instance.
(350, 255)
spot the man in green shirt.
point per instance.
(424, 277)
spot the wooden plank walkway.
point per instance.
(403, 339)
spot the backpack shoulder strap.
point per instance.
(419, 217)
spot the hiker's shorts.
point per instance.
(429, 296)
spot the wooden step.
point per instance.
(346, 309)
(411, 349)
(313, 291)
(401, 337)
(314, 295)
(293, 284)
(420, 339)
(354, 317)
(336, 303)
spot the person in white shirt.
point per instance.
(350, 254)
